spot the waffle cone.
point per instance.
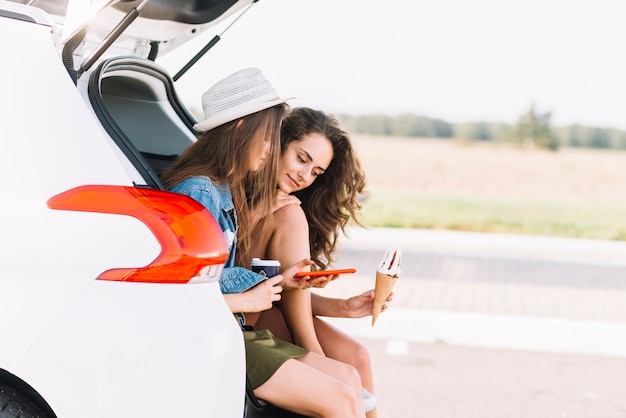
(384, 285)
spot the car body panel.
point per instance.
(139, 359)
(42, 276)
(47, 105)
(88, 347)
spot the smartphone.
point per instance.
(318, 273)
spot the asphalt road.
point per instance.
(441, 381)
(440, 271)
(420, 264)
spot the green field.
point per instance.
(442, 184)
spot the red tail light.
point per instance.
(190, 237)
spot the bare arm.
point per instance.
(354, 307)
(290, 244)
(256, 299)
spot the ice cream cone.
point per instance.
(384, 285)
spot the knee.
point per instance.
(347, 401)
(351, 375)
(362, 355)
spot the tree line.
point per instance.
(532, 129)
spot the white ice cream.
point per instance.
(390, 264)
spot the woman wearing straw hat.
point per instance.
(236, 148)
(320, 172)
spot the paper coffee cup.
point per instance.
(268, 268)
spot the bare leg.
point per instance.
(335, 343)
(340, 346)
(315, 386)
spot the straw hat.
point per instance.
(245, 92)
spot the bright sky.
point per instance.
(458, 60)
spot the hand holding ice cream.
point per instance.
(386, 277)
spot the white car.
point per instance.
(109, 293)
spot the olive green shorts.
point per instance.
(266, 353)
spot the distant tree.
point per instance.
(574, 136)
(534, 129)
(409, 125)
(420, 126)
(591, 137)
(476, 131)
(443, 129)
(375, 124)
(600, 138)
(618, 139)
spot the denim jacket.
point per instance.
(219, 201)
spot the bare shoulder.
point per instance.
(290, 214)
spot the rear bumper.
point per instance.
(181, 354)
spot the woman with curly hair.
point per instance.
(320, 181)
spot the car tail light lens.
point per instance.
(190, 237)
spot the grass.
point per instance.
(434, 184)
(595, 221)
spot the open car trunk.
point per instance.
(111, 59)
(137, 104)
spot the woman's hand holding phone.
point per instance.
(318, 273)
(320, 278)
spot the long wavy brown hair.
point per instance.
(223, 154)
(333, 198)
